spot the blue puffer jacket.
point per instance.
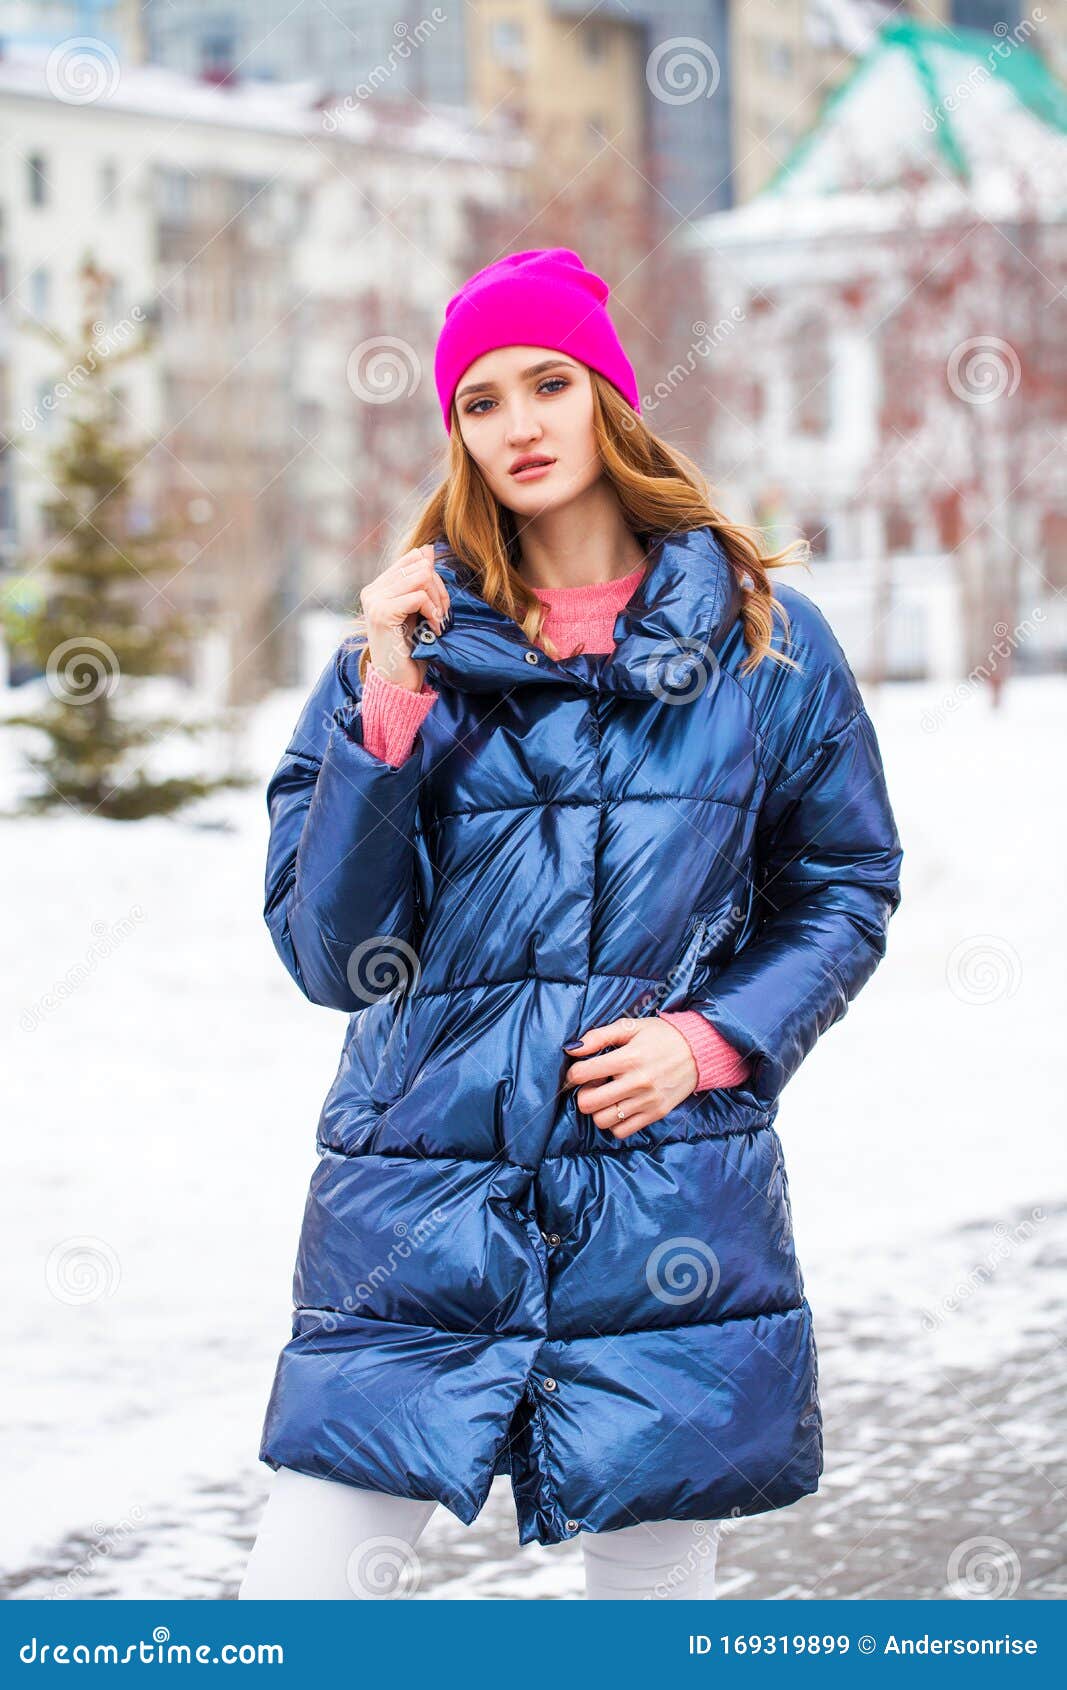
(486, 1281)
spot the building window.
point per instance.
(309, 418)
(779, 58)
(949, 522)
(217, 56)
(751, 398)
(899, 530)
(507, 44)
(175, 195)
(46, 401)
(1054, 548)
(812, 378)
(40, 292)
(37, 179)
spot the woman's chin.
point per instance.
(536, 500)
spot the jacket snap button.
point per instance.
(550, 1384)
(572, 1525)
(426, 635)
(530, 656)
(553, 1238)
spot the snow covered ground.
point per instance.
(163, 1081)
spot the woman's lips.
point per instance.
(532, 471)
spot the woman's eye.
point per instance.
(473, 410)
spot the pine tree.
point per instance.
(101, 626)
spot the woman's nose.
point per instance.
(522, 428)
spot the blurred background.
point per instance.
(835, 233)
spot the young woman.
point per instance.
(587, 910)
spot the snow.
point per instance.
(295, 109)
(884, 122)
(888, 117)
(848, 24)
(165, 1075)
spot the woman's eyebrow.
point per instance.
(534, 370)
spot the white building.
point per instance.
(889, 324)
(293, 259)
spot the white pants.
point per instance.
(323, 1540)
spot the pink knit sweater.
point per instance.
(392, 716)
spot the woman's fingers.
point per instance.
(406, 604)
(602, 1103)
(634, 1126)
(417, 567)
(410, 584)
(647, 1076)
(390, 604)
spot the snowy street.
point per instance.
(154, 1093)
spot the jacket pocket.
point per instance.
(677, 985)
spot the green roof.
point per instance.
(1036, 88)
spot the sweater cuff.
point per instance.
(718, 1063)
(392, 716)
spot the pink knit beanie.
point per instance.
(540, 298)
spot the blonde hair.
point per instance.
(660, 490)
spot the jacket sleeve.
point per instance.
(718, 1063)
(393, 715)
(340, 889)
(826, 878)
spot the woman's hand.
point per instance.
(650, 1073)
(391, 604)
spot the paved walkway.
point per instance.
(940, 1480)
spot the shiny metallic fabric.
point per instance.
(486, 1281)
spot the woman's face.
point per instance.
(527, 401)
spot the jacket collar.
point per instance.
(688, 597)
